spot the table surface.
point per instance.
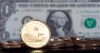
(50, 50)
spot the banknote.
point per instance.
(66, 18)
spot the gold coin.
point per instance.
(35, 34)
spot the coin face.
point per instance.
(35, 34)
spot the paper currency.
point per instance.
(65, 18)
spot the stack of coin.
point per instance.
(69, 42)
(85, 42)
(0, 46)
(93, 42)
(11, 44)
(56, 43)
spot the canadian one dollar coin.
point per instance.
(35, 34)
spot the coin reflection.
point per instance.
(37, 51)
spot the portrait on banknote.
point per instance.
(60, 23)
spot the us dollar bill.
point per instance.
(65, 19)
